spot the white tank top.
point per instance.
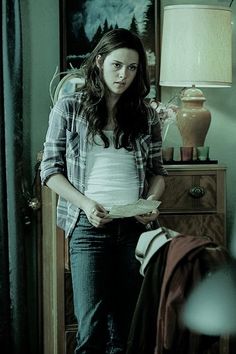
(111, 174)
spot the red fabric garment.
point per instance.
(189, 258)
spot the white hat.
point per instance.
(149, 243)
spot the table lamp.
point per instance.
(204, 311)
(196, 52)
(210, 308)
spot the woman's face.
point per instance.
(119, 69)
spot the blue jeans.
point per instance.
(106, 283)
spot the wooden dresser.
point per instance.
(193, 203)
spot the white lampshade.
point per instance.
(196, 46)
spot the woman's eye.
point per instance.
(116, 65)
(132, 67)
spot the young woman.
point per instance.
(103, 147)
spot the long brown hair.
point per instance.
(131, 112)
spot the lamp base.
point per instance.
(193, 120)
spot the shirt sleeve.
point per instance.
(155, 161)
(55, 143)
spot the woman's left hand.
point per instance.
(147, 218)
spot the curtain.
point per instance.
(13, 321)
(4, 281)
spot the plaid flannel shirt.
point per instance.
(65, 151)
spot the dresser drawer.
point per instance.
(192, 191)
(212, 225)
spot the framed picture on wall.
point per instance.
(83, 23)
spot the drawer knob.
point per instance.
(197, 192)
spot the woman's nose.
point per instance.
(122, 73)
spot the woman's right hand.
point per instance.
(96, 213)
